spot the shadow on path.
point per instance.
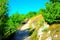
(20, 35)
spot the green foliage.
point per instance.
(3, 16)
(52, 12)
(51, 15)
(15, 20)
(13, 23)
(30, 14)
(55, 1)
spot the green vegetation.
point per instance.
(55, 1)
(16, 19)
(9, 25)
(30, 14)
(51, 13)
(3, 17)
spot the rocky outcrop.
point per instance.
(43, 31)
(33, 22)
(49, 32)
(41, 34)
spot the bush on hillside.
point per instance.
(51, 13)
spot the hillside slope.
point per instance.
(43, 31)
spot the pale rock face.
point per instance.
(32, 22)
(49, 38)
(26, 26)
(56, 37)
(33, 26)
(42, 28)
(41, 34)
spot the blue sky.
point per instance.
(25, 6)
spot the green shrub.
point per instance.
(51, 13)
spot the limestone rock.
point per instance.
(51, 32)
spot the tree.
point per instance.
(15, 20)
(52, 12)
(55, 1)
(31, 14)
(3, 16)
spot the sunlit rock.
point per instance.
(49, 32)
(33, 22)
(43, 32)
